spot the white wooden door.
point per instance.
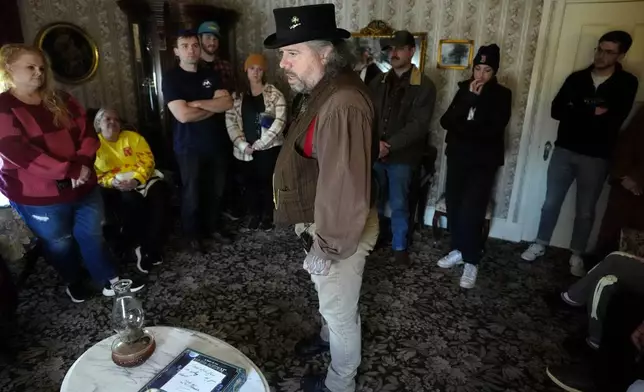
(580, 25)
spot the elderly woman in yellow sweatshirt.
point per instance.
(125, 170)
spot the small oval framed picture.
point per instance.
(72, 52)
(455, 53)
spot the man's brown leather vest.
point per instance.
(296, 176)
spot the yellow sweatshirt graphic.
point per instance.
(130, 153)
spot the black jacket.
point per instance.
(408, 131)
(580, 130)
(372, 72)
(480, 140)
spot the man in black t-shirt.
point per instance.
(197, 100)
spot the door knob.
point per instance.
(546, 151)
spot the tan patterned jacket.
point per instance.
(275, 104)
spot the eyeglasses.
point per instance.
(602, 52)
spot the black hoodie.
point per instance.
(481, 139)
(580, 130)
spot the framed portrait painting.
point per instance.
(455, 53)
(73, 54)
(369, 41)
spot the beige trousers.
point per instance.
(339, 294)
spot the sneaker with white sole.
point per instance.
(136, 285)
(78, 293)
(454, 258)
(533, 252)
(468, 279)
(146, 260)
(577, 266)
(566, 298)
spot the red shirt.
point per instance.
(34, 153)
(308, 140)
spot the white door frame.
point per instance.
(525, 197)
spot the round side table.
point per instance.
(95, 371)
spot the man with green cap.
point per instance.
(209, 36)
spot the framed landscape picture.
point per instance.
(72, 52)
(455, 53)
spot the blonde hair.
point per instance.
(51, 100)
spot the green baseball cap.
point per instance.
(210, 28)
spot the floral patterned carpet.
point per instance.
(421, 332)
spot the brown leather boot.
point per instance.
(402, 257)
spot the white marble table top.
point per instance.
(94, 371)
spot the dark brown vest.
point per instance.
(296, 176)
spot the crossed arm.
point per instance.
(194, 111)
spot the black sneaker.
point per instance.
(556, 304)
(197, 247)
(137, 285)
(78, 293)
(266, 225)
(142, 264)
(155, 258)
(253, 224)
(313, 383)
(572, 378)
(311, 346)
(222, 237)
(579, 346)
(145, 261)
(232, 214)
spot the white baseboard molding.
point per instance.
(500, 228)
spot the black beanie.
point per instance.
(489, 55)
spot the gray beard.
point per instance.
(299, 86)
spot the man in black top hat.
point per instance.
(322, 180)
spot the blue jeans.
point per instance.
(394, 180)
(66, 228)
(564, 168)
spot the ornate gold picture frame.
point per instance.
(72, 52)
(455, 53)
(369, 39)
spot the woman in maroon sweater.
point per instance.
(47, 169)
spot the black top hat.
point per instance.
(307, 23)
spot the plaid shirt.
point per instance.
(275, 104)
(225, 70)
(36, 155)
